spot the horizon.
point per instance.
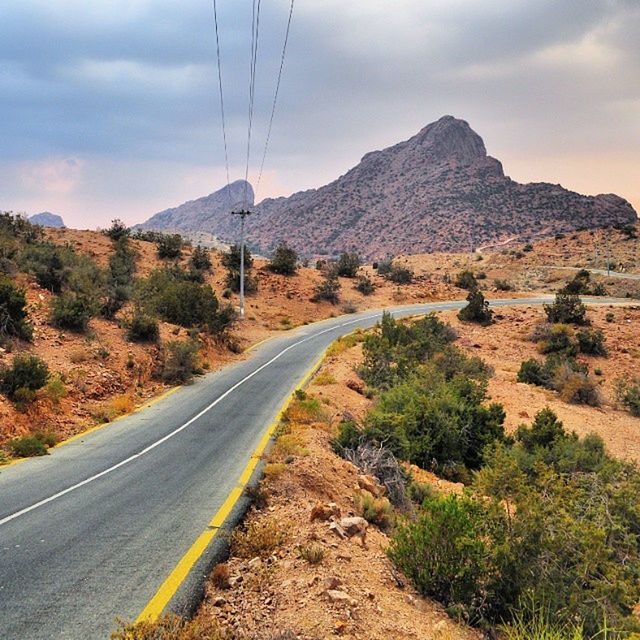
(103, 119)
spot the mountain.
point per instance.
(437, 191)
(203, 214)
(47, 219)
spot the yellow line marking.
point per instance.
(255, 345)
(170, 586)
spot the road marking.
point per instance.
(178, 430)
(172, 583)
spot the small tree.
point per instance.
(567, 309)
(284, 260)
(170, 247)
(118, 230)
(72, 311)
(231, 262)
(181, 361)
(348, 265)
(477, 309)
(466, 280)
(365, 286)
(200, 259)
(27, 374)
(328, 289)
(143, 328)
(13, 315)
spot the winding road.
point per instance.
(119, 521)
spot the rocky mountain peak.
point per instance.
(451, 139)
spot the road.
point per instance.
(91, 531)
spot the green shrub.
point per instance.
(477, 309)
(13, 314)
(328, 289)
(72, 311)
(169, 246)
(591, 342)
(120, 277)
(284, 260)
(533, 371)
(231, 262)
(400, 275)
(181, 361)
(51, 265)
(545, 431)
(527, 247)
(384, 267)
(446, 554)
(27, 447)
(365, 286)
(143, 328)
(567, 309)
(466, 280)
(348, 265)
(559, 338)
(502, 285)
(28, 372)
(579, 285)
(200, 259)
(628, 393)
(377, 511)
(118, 230)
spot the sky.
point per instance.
(110, 108)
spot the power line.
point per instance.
(255, 32)
(222, 112)
(275, 97)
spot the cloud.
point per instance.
(128, 90)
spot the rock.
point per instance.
(338, 530)
(370, 484)
(325, 511)
(331, 583)
(219, 602)
(355, 385)
(254, 564)
(340, 597)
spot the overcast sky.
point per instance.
(109, 108)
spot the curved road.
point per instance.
(91, 531)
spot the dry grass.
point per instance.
(324, 378)
(172, 627)
(274, 469)
(313, 553)
(290, 444)
(260, 539)
(220, 576)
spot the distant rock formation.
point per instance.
(437, 191)
(203, 214)
(47, 219)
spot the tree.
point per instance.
(348, 265)
(13, 314)
(328, 289)
(284, 260)
(567, 309)
(466, 280)
(118, 230)
(170, 247)
(477, 309)
(200, 259)
(231, 262)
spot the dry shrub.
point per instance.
(117, 406)
(324, 378)
(171, 627)
(123, 404)
(260, 538)
(304, 410)
(346, 342)
(377, 511)
(220, 576)
(274, 469)
(313, 553)
(291, 444)
(577, 388)
(80, 355)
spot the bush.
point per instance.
(51, 265)
(200, 259)
(231, 262)
(533, 371)
(591, 342)
(181, 361)
(72, 311)
(400, 275)
(284, 260)
(365, 286)
(445, 552)
(503, 285)
(545, 431)
(577, 388)
(377, 511)
(120, 274)
(13, 314)
(559, 338)
(27, 447)
(348, 265)
(27, 372)
(143, 328)
(579, 285)
(328, 289)
(169, 246)
(466, 280)
(171, 627)
(567, 309)
(259, 539)
(384, 266)
(477, 309)
(118, 230)
(628, 393)
(313, 553)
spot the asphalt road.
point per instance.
(91, 531)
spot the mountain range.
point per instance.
(437, 191)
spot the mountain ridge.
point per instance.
(437, 191)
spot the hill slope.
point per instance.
(437, 191)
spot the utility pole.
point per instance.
(243, 213)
